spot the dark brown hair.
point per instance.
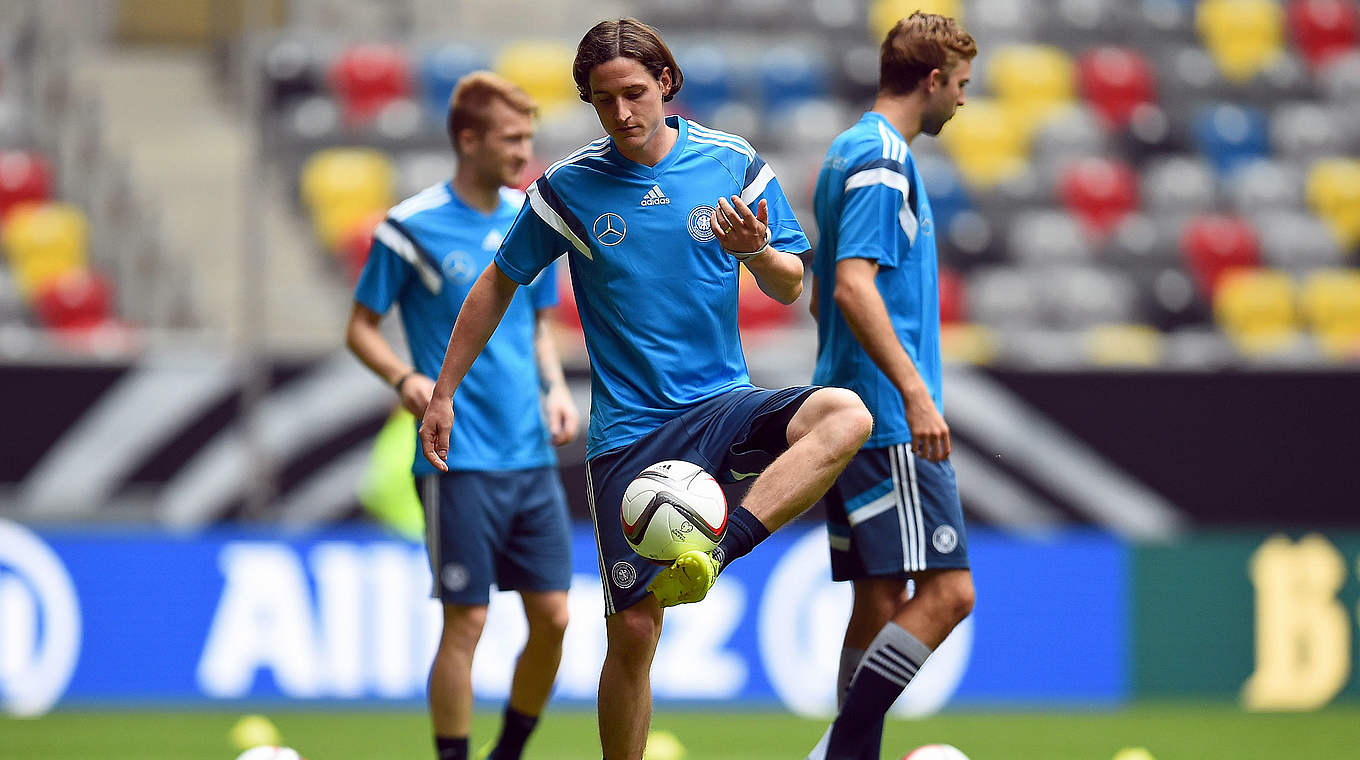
(916, 45)
(470, 103)
(624, 38)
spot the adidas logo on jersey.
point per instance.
(655, 197)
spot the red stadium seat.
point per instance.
(367, 77)
(354, 245)
(1115, 81)
(756, 310)
(1100, 192)
(1323, 29)
(1214, 245)
(24, 178)
(80, 300)
(953, 304)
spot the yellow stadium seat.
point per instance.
(542, 69)
(1334, 194)
(1032, 82)
(1330, 300)
(1243, 36)
(986, 142)
(967, 344)
(1256, 308)
(1124, 345)
(350, 176)
(884, 14)
(43, 242)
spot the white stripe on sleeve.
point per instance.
(884, 176)
(555, 220)
(757, 186)
(393, 238)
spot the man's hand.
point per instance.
(435, 428)
(741, 233)
(929, 433)
(564, 421)
(415, 393)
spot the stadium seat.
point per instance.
(1115, 81)
(1168, 297)
(81, 299)
(790, 75)
(25, 177)
(1330, 301)
(987, 147)
(1214, 245)
(709, 80)
(1333, 190)
(1004, 296)
(1243, 36)
(884, 14)
(1308, 131)
(1124, 345)
(1323, 29)
(1179, 185)
(1031, 81)
(1341, 78)
(1265, 186)
(1083, 296)
(355, 244)
(1071, 132)
(1257, 309)
(342, 185)
(944, 187)
(367, 77)
(1229, 134)
(953, 299)
(1048, 237)
(1295, 241)
(439, 71)
(967, 343)
(1100, 192)
(1139, 241)
(543, 69)
(43, 242)
(417, 170)
(290, 70)
(755, 310)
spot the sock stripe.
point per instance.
(899, 658)
(897, 679)
(904, 671)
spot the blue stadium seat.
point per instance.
(1229, 134)
(709, 80)
(944, 187)
(439, 71)
(789, 75)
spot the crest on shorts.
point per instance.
(454, 576)
(625, 575)
(945, 539)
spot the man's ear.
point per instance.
(936, 78)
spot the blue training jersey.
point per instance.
(656, 293)
(871, 204)
(425, 257)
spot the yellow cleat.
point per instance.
(687, 580)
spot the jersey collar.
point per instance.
(651, 172)
(881, 119)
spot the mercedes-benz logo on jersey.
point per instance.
(40, 627)
(458, 267)
(609, 229)
(701, 223)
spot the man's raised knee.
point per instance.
(850, 418)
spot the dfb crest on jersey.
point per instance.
(701, 223)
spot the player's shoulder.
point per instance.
(576, 164)
(433, 197)
(870, 140)
(729, 148)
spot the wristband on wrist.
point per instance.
(402, 380)
(746, 255)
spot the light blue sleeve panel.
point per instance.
(785, 232)
(543, 290)
(544, 230)
(384, 275)
(877, 207)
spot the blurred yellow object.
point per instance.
(387, 489)
(967, 344)
(253, 731)
(44, 242)
(663, 745)
(884, 14)
(1334, 194)
(1032, 82)
(1243, 36)
(1133, 753)
(1256, 308)
(989, 144)
(543, 69)
(1124, 345)
(1330, 301)
(342, 185)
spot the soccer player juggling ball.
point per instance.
(655, 220)
(497, 511)
(894, 513)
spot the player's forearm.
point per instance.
(867, 316)
(812, 298)
(366, 341)
(550, 372)
(779, 274)
(482, 311)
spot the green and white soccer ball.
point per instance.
(936, 752)
(673, 507)
(270, 753)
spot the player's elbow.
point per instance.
(846, 294)
(791, 293)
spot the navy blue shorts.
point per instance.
(733, 436)
(509, 528)
(891, 513)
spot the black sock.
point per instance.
(744, 531)
(888, 666)
(451, 747)
(515, 730)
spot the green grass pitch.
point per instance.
(1189, 731)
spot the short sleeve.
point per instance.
(877, 205)
(543, 290)
(542, 231)
(785, 232)
(383, 277)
